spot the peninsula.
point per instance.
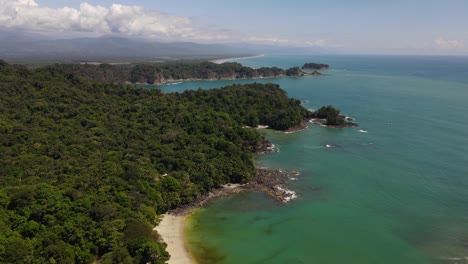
(159, 73)
(87, 167)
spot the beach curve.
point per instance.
(220, 61)
(171, 230)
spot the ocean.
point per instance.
(396, 194)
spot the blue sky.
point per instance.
(384, 27)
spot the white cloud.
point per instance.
(120, 19)
(124, 20)
(449, 44)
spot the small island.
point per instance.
(331, 117)
(315, 66)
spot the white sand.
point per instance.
(171, 229)
(220, 61)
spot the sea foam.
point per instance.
(288, 194)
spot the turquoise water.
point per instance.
(397, 194)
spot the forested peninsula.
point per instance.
(88, 164)
(158, 73)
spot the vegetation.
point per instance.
(295, 71)
(315, 66)
(331, 114)
(87, 166)
(160, 73)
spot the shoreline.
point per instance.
(264, 180)
(322, 123)
(301, 127)
(220, 61)
(171, 81)
(178, 81)
(171, 229)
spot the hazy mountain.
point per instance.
(25, 47)
(21, 47)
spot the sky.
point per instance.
(356, 27)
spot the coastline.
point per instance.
(172, 227)
(171, 230)
(220, 61)
(177, 81)
(171, 81)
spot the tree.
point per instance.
(331, 114)
(87, 166)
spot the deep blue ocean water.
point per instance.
(397, 194)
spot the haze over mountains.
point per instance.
(31, 47)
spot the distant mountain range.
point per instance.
(22, 47)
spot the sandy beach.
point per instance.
(234, 59)
(171, 229)
(172, 225)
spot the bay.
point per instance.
(397, 194)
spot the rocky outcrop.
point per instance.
(265, 146)
(271, 182)
(315, 66)
(316, 73)
(323, 122)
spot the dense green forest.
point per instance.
(163, 72)
(87, 166)
(331, 114)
